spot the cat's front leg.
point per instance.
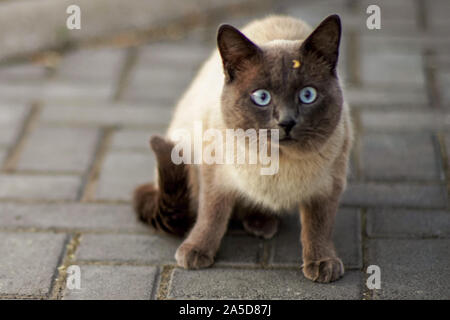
(320, 262)
(214, 212)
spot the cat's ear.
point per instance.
(235, 49)
(324, 40)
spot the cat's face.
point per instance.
(285, 85)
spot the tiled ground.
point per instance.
(74, 143)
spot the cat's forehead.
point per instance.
(277, 50)
(284, 64)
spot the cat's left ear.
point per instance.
(235, 49)
(324, 40)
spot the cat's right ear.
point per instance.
(236, 50)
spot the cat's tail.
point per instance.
(165, 205)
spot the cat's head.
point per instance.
(287, 85)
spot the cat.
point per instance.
(277, 73)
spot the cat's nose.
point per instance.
(287, 125)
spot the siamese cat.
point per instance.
(275, 74)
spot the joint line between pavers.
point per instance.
(28, 126)
(353, 58)
(444, 159)
(432, 88)
(421, 9)
(66, 260)
(125, 72)
(165, 277)
(89, 184)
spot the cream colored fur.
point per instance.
(300, 176)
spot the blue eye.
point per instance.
(261, 97)
(308, 95)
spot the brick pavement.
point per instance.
(74, 143)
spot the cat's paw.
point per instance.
(264, 226)
(324, 270)
(189, 256)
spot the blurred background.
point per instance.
(77, 108)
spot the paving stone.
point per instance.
(160, 249)
(389, 68)
(105, 115)
(444, 84)
(218, 283)
(287, 249)
(123, 172)
(437, 15)
(403, 121)
(134, 139)
(22, 72)
(21, 92)
(70, 91)
(11, 119)
(399, 156)
(404, 223)
(73, 216)
(29, 261)
(59, 149)
(114, 283)
(240, 250)
(157, 249)
(384, 98)
(3, 153)
(19, 186)
(160, 76)
(379, 194)
(411, 269)
(92, 65)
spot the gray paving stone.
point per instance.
(160, 249)
(399, 156)
(240, 250)
(157, 249)
(436, 15)
(29, 261)
(379, 194)
(405, 223)
(70, 91)
(444, 84)
(412, 269)
(403, 121)
(105, 115)
(3, 153)
(389, 68)
(114, 283)
(59, 149)
(19, 186)
(384, 98)
(22, 72)
(217, 283)
(73, 216)
(160, 76)
(123, 172)
(92, 65)
(21, 92)
(133, 139)
(287, 249)
(11, 119)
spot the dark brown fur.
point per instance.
(166, 206)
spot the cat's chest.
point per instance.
(293, 182)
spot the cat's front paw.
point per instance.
(324, 270)
(190, 256)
